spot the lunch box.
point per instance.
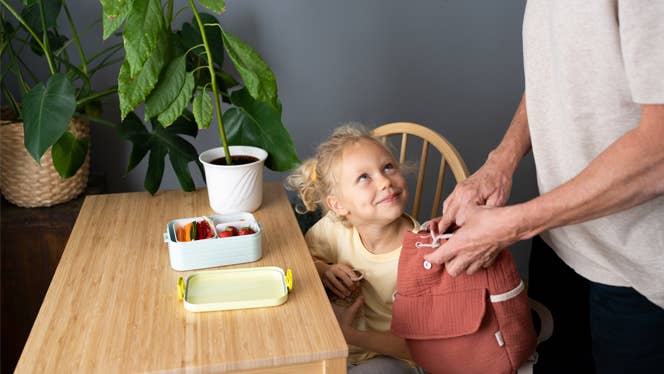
(235, 288)
(215, 251)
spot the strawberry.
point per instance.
(225, 234)
(245, 231)
(203, 230)
(232, 230)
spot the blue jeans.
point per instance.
(597, 328)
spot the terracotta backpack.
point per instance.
(478, 323)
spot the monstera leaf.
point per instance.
(159, 143)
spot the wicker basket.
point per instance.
(25, 183)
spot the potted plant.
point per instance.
(48, 122)
(168, 70)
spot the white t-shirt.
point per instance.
(588, 65)
(333, 242)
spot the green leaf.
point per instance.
(144, 25)
(32, 16)
(180, 103)
(181, 168)
(47, 111)
(217, 6)
(114, 14)
(69, 154)
(169, 86)
(190, 36)
(114, 8)
(202, 107)
(255, 123)
(184, 125)
(256, 75)
(175, 144)
(159, 143)
(155, 170)
(132, 91)
(55, 41)
(132, 129)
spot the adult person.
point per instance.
(593, 115)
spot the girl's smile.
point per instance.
(370, 185)
(391, 198)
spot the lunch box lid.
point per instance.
(229, 289)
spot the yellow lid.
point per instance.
(236, 288)
(289, 279)
(181, 288)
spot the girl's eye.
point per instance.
(363, 177)
(389, 167)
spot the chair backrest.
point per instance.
(449, 157)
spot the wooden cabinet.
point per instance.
(31, 241)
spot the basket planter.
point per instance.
(27, 184)
(234, 188)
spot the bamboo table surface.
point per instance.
(112, 305)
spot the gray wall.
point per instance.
(455, 66)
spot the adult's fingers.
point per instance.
(495, 200)
(440, 255)
(478, 263)
(490, 261)
(459, 264)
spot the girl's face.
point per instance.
(370, 188)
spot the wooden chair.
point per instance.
(449, 157)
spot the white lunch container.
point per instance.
(215, 251)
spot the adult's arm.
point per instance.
(491, 184)
(629, 172)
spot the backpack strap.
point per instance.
(546, 330)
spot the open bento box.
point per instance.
(235, 288)
(214, 251)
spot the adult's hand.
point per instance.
(489, 186)
(483, 232)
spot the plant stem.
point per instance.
(34, 36)
(96, 96)
(169, 12)
(95, 119)
(213, 80)
(46, 45)
(84, 63)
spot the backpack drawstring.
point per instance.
(436, 239)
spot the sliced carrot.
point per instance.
(179, 233)
(187, 231)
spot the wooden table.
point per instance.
(112, 305)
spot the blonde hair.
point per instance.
(315, 179)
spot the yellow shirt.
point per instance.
(333, 242)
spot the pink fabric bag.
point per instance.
(478, 323)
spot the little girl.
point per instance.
(355, 179)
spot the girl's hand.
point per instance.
(338, 278)
(346, 316)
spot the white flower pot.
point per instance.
(234, 188)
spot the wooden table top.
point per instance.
(112, 305)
